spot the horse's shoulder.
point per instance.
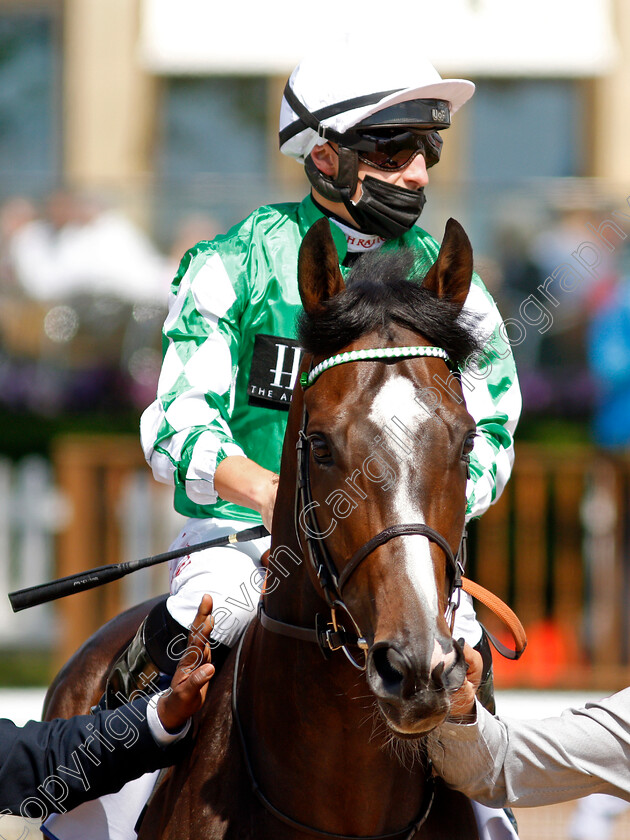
(210, 785)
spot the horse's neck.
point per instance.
(318, 746)
(316, 717)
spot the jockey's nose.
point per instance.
(415, 174)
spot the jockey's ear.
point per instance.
(450, 275)
(319, 277)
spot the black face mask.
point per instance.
(384, 209)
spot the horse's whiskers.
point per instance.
(407, 752)
(368, 717)
(380, 729)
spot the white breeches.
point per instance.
(232, 574)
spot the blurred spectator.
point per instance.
(588, 275)
(609, 359)
(84, 247)
(84, 293)
(521, 275)
(576, 273)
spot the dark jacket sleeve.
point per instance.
(66, 762)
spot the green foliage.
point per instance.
(23, 433)
(553, 431)
(25, 668)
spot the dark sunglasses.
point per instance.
(394, 152)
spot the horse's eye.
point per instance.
(321, 450)
(468, 446)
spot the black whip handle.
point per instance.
(22, 599)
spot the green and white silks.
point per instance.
(211, 401)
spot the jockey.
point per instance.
(367, 133)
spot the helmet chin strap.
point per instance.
(383, 209)
(345, 184)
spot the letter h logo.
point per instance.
(279, 371)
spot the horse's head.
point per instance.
(387, 439)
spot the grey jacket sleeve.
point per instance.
(526, 763)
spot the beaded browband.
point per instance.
(307, 379)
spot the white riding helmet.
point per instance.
(341, 91)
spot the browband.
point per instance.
(376, 354)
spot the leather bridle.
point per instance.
(332, 635)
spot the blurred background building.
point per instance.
(130, 129)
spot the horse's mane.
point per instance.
(383, 288)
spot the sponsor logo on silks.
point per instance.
(275, 366)
(363, 243)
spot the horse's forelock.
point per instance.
(384, 288)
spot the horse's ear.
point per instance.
(450, 275)
(319, 277)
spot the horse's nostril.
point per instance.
(450, 675)
(390, 667)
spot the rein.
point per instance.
(406, 833)
(503, 612)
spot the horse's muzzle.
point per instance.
(413, 697)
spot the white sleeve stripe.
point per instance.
(210, 368)
(212, 290)
(162, 467)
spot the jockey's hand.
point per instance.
(190, 681)
(244, 482)
(267, 507)
(463, 700)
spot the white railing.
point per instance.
(33, 512)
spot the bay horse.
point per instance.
(367, 526)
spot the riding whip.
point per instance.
(22, 599)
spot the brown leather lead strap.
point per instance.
(507, 616)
